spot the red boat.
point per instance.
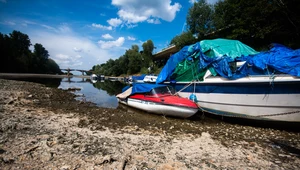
(158, 99)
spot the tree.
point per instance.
(135, 59)
(19, 51)
(123, 64)
(52, 67)
(17, 57)
(185, 38)
(40, 57)
(148, 47)
(200, 18)
(259, 22)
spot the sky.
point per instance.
(80, 34)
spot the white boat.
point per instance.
(158, 99)
(266, 86)
(94, 78)
(150, 79)
(255, 97)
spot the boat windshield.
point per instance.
(162, 91)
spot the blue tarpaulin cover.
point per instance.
(216, 55)
(141, 77)
(142, 87)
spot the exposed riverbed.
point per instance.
(46, 128)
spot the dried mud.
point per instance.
(46, 128)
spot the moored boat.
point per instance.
(158, 99)
(265, 86)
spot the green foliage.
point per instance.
(185, 38)
(17, 58)
(144, 70)
(132, 62)
(200, 18)
(256, 23)
(52, 67)
(135, 60)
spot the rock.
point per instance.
(8, 160)
(65, 167)
(2, 151)
(283, 155)
(252, 144)
(278, 162)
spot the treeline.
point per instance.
(132, 62)
(16, 57)
(257, 23)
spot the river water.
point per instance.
(102, 93)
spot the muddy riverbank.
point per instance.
(46, 128)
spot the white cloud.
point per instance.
(77, 49)
(102, 26)
(11, 23)
(64, 28)
(130, 17)
(154, 21)
(114, 22)
(107, 36)
(139, 11)
(48, 27)
(109, 44)
(130, 38)
(64, 48)
(61, 57)
(131, 25)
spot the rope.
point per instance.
(278, 114)
(193, 81)
(186, 86)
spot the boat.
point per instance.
(94, 78)
(144, 78)
(150, 79)
(136, 79)
(157, 99)
(228, 78)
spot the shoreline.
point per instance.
(46, 128)
(31, 75)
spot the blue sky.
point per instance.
(80, 34)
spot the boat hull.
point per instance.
(160, 108)
(253, 98)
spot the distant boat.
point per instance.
(136, 79)
(150, 79)
(158, 99)
(231, 79)
(144, 78)
(94, 78)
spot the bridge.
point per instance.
(165, 53)
(82, 71)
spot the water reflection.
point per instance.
(102, 93)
